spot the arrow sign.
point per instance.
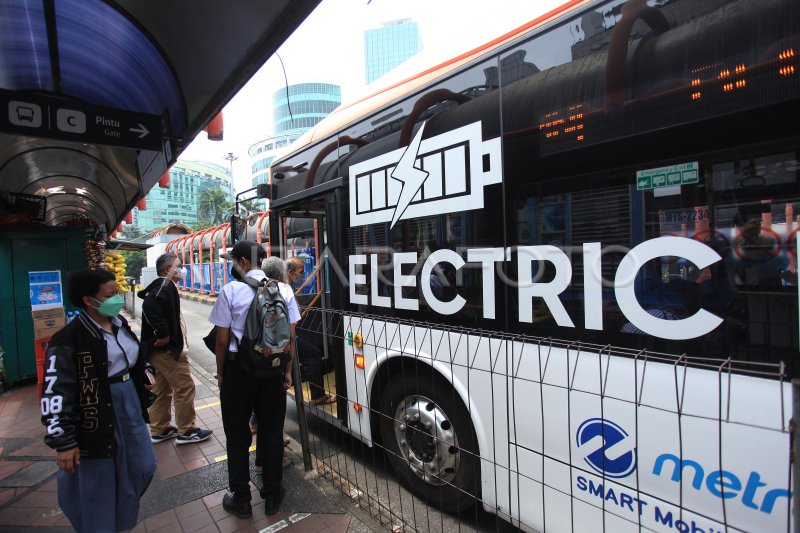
(58, 117)
(141, 130)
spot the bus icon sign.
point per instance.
(443, 174)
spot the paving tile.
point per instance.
(172, 528)
(218, 513)
(50, 486)
(9, 467)
(211, 528)
(35, 449)
(188, 509)
(214, 499)
(187, 453)
(170, 468)
(31, 475)
(232, 523)
(6, 495)
(38, 499)
(160, 520)
(310, 524)
(196, 521)
(195, 463)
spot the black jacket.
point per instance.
(161, 315)
(76, 397)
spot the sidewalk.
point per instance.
(186, 493)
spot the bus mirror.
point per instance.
(234, 229)
(262, 190)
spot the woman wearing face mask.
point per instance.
(94, 405)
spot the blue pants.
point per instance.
(102, 496)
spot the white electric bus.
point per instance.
(560, 270)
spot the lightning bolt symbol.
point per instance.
(410, 176)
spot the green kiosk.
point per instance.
(22, 256)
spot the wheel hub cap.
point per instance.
(427, 439)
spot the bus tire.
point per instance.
(444, 472)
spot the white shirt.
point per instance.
(123, 350)
(233, 302)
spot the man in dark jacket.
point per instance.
(163, 334)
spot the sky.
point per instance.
(329, 47)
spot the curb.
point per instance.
(201, 374)
(199, 298)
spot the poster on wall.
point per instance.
(45, 290)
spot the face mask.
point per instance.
(182, 273)
(110, 307)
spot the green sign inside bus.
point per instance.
(655, 178)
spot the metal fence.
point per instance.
(446, 428)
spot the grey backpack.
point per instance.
(264, 347)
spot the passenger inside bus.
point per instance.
(757, 258)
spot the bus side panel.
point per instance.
(566, 434)
(647, 444)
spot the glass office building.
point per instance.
(179, 201)
(301, 106)
(263, 152)
(307, 104)
(388, 46)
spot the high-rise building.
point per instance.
(179, 201)
(263, 152)
(308, 103)
(301, 106)
(388, 46)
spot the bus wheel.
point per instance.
(430, 440)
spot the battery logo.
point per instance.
(440, 175)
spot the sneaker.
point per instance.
(195, 435)
(169, 433)
(239, 509)
(273, 502)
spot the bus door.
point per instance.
(306, 230)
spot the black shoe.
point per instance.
(239, 509)
(169, 433)
(195, 435)
(273, 502)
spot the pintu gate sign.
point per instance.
(699, 254)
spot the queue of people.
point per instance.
(98, 397)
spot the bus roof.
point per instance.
(392, 89)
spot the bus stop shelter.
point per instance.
(98, 98)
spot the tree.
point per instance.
(134, 261)
(214, 206)
(253, 205)
(201, 225)
(130, 232)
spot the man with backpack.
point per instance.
(253, 371)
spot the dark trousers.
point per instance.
(311, 359)
(240, 395)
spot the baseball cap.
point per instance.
(249, 250)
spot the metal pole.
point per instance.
(302, 421)
(795, 455)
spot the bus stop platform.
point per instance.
(187, 489)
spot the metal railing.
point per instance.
(522, 412)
